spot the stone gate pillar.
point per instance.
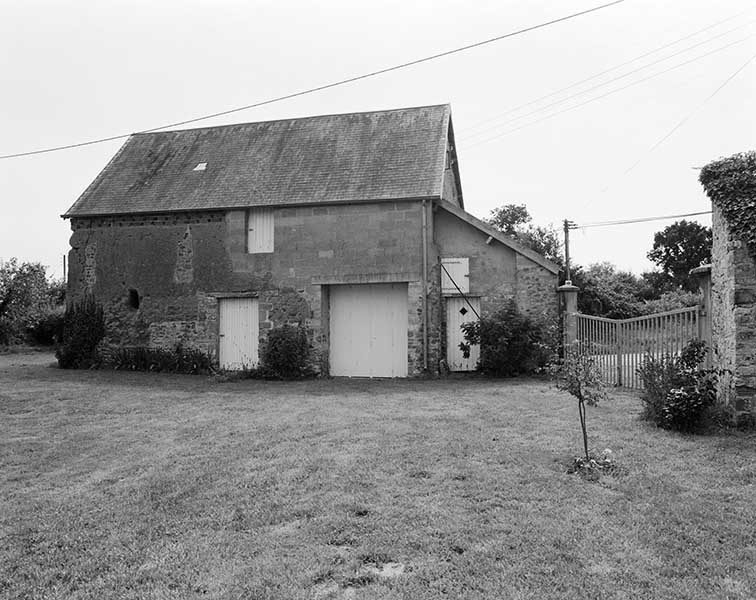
(703, 275)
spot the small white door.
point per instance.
(368, 330)
(458, 311)
(239, 331)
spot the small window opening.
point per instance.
(200, 167)
(133, 299)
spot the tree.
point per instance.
(515, 220)
(23, 297)
(606, 291)
(510, 218)
(578, 375)
(657, 283)
(679, 248)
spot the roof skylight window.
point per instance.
(200, 167)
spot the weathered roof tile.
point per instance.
(336, 158)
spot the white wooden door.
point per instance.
(239, 331)
(368, 330)
(458, 311)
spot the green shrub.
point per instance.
(286, 353)
(188, 361)
(511, 344)
(48, 330)
(677, 393)
(83, 328)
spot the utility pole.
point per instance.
(567, 226)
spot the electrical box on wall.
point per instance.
(455, 271)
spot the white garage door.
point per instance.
(239, 332)
(369, 330)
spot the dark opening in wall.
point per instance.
(133, 298)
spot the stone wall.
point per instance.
(177, 266)
(733, 312)
(180, 264)
(536, 291)
(497, 274)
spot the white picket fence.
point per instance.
(619, 345)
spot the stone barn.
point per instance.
(352, 225)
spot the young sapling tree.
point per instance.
(578, 375)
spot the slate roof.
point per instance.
(335, 158)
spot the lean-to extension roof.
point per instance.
(336, 158)
(499, 236)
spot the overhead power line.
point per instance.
(609, 93)
(687, 117)
(572, 225)
(321, 87)
(671, 132)
(598, 85)
(597, 75)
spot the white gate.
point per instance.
(459, 311)
(368, 330)
(619, 346)
(239, 332)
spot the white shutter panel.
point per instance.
(260, 229)
(455, 270)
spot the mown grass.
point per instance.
(129, 485)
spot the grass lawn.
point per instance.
(127, 485)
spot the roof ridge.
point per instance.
(446, 105)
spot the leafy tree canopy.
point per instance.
(607, 291)
(679, 248)
(510, 218)
(515, 220)
(25, 296)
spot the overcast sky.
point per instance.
(73, 71)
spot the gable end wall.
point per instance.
(497, 274)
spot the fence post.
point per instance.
(568, 304)
(618, 340)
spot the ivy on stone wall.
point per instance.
(731, 185)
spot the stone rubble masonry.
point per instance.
(184, 272)
(497, 274)
(536, 291)
(181, 264)
(90, 264)
(733, 315)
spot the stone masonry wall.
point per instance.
(180, 264)
(536, 291)
(733, 299)
(722, 305)
(497, 273)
